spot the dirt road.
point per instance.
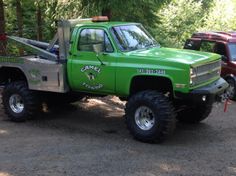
(91, 139)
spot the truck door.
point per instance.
(93, 70)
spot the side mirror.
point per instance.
(98, 48)
(224, 58)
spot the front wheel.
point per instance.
(19, 102)
(150, 116)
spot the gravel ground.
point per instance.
(90, 138)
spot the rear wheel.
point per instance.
(19, 102)
(194, 113)
(150, 116)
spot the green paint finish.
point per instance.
(87, 74)
(16, 60)
(188, 57)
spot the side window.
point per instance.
(90, 37)
(207, 46)
(220, 49)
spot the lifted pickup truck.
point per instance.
(223, 43)
(99, 57)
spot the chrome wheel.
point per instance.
(16, 103)
(144, 118)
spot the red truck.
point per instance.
(223, 43)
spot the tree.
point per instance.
(221, 16)
(2, 29)
(19, 22)
(179, 20)
(39, 20)
(19, 18)
(51, 16)
(171, 21)
(124, 10)
(2, 18)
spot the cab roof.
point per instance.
(104, 24)
(219, 36)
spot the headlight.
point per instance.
(193, 74)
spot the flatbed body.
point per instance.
(41, 74)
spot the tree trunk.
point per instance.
(19, 17)
(2, 29)
(39, 22)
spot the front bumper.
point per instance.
(216, 91)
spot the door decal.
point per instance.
(91, 72)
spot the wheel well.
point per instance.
(140, 83)
(227, 77)
(10, 74)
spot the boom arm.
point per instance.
(34, 46)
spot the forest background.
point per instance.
(171, 22)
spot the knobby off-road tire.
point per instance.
(232, 88)
(150, 116)
(194, 113)
(19, 102)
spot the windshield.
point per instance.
(232, 51)
(133, 37)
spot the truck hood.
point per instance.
(189, 57)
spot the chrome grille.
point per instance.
(206, 72)
(206, 68)
(201, 79)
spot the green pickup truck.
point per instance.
(98, 57)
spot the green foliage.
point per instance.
(125, 10)
(28, 18)
(59, 9)
(221, 16)
(171, 21)
(179, 20)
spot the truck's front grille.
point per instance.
(203, 78)
(208, 67)
(206, 72)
